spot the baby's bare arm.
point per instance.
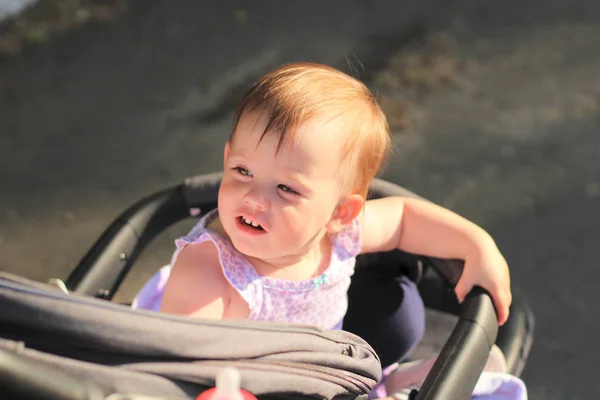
(420, 227)
(196, 286)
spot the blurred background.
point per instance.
(495, 108)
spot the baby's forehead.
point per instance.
(256, 125)
(313, 144)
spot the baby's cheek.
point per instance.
(227, 193)
(294, 221)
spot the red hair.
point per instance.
(297, 93)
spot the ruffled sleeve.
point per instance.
(347, 242)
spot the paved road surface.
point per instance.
(101, 116)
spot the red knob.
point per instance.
(207, 394)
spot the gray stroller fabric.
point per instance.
(149, 353)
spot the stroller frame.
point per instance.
(453, 376)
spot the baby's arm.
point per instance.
(197, 286)
(420, 227)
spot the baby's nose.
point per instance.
(257, 198)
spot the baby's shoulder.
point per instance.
(195, 282)
(198, 260)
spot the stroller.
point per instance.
(68, 340)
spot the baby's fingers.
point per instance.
(462, 288)
(502, 302)
(501, 298)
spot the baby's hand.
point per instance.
(486, 267)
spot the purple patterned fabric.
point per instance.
(321, 301)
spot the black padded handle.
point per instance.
(463, 357)
(107, 262)
(105, 265)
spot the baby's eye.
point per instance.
(287, 189)
(242, 171)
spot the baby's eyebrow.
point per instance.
(296, 177)
(239, 155)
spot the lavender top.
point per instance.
(320, 301)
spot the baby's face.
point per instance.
(276, 205)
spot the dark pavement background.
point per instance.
(105, 114)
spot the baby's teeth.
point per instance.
(246, 220)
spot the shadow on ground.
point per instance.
(94, 119)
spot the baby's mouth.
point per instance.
(250, 223)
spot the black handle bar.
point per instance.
(463, 357)
(101, 271)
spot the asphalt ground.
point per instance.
(495, 107)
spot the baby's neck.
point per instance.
(308, 264)
(296, 267)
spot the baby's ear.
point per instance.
(347, 209)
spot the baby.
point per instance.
(292, 212)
